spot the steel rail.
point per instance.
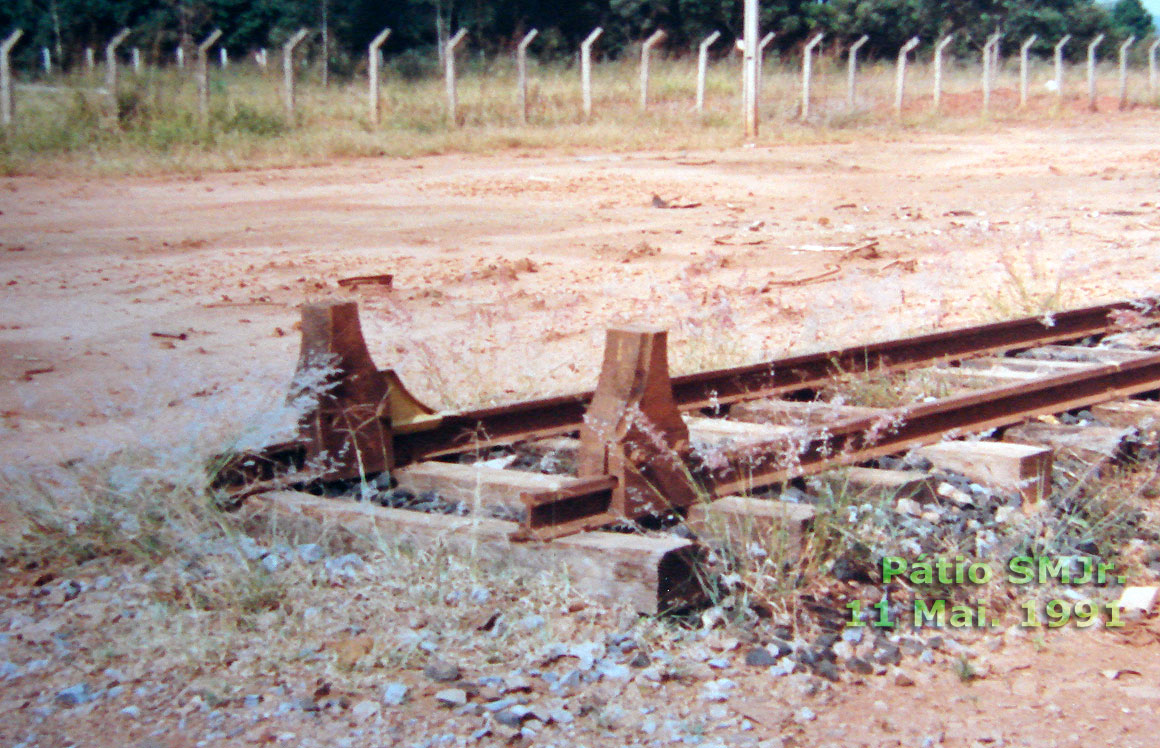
(764, 464)
(916, 425)
(466, 431)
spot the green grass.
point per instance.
(69, 124)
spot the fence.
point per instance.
(910, 95)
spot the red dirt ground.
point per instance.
(507, 269)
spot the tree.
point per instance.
(1132, 18)
(496, 25)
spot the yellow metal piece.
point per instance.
(408, 415)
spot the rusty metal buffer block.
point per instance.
(634, 445)
(359, 408)
(356, 410)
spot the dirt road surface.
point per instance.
(154, 313)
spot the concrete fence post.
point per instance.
(758, 77)
(765, 41)
(203, 74)
(990, 62)
(90, 60)
(223, 57)
(1124, 71)
(1152, 73)
(900, 74)
(288, 70)
(1058, 53)
(7, 107)
(1152, 69)
(180, 55)
(111, 67)
(939, 50)
(586, 69)
(262, 58)
(750, 69)
(522, 73)
(1024, 49)
(373, 61)
(136, 60)
(1091, 70)
(449, 76)
(46, 60)
(703, 67)
(852, 69)
(807, 72)
(646, 53)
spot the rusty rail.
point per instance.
(475, 429)
(917, 425)
(762, 464)
(368, 422)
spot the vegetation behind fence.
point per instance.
(70, 122)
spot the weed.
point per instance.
(964, 670)
(156, 127)
(1030, 286)
(249, 120)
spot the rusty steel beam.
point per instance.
(477, 429)
(576, 508)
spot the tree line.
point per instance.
(158, 26)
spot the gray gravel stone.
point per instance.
(828, 670)
(779, 647)
(911, 646)
(588, 653)
(717, 690)
(452, 697)
(613, 670)
(75, 695)
(785, 666)
(760, 657)
(532, 622)
(571, 679)
(509, 718)
(803, 715)
(310, 553)
(114, 675)
(348, 565)
(394, 693)
(441, 671)
(364, 710)
(888, 654)
(500, 704)
(250, 549)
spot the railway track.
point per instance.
(644, 444)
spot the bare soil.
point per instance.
(131, 306)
